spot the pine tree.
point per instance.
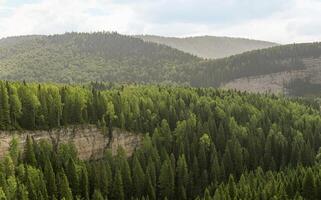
(150, 188)
(127, 178)
(72, 177)
(182, 177)
(166, 180)
(29, 154)
(15, 106)
(83, 184)
(308, 186)
(50, 180)
(30, 105)
(14, 150)
(4, 107)
(97, 195)
(64, 189)
(138, 178)
(8, 167)
(118, 190)
(103, 179)
(231, 187)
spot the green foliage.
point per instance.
(29, 153)
(64, 187)
(102, 56)
(198, 143)
(97, 195)
(85, 57)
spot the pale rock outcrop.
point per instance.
(88, 140)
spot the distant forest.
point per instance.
(111, 57)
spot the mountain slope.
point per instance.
(293, 69)
(209, 46)
(83, 57)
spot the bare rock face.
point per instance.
(89, 140)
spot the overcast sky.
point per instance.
(283, 21)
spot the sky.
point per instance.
(282, 21)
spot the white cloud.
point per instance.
(58, 16)
(296, 21)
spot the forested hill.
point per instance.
(198, 144)
(288, 61)
(209, 46)
(111, 57)
(83, 57)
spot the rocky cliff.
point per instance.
(89, 140)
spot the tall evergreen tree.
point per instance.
(72, 176)
(50, 180)
(83, 184)
(118, 189)
(138, 178)
(308, 187)
(29, 153)
(4, 107)
(64, 189)
(166, 181)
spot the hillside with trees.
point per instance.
(259, 62)
(210, 47)
(199, 143)
(111, 57)
(85, 57)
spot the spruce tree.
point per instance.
(182, 178)
(138, 178)
(118, 189)
(97, 195)
(83, 184)
(15, 106)
(29, 154)
(4, 108)
(308, 186)
(166, 181)
(64, 189)
(72, 176)
(50, 180)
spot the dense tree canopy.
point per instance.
(199, 143)
(85, 57)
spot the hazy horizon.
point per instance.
(278, 21)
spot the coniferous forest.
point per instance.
(199, 143)
(112, 57)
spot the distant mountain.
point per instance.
(209, 46)
(111, 57)
(84, 57)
